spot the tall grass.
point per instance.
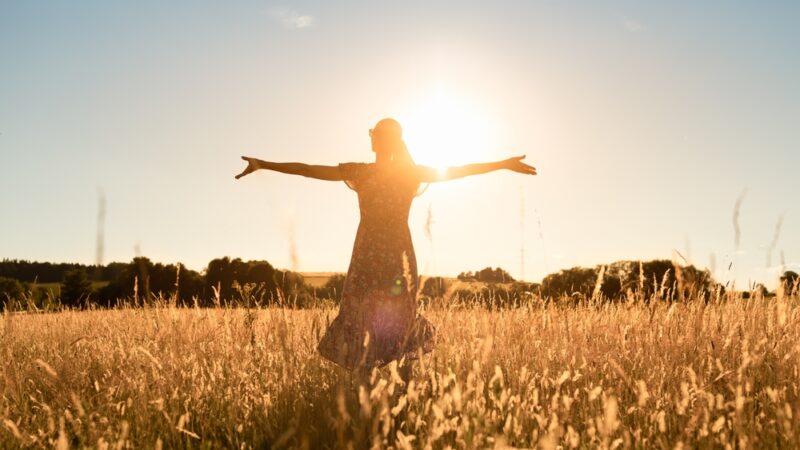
(627, 375)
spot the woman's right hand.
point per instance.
(252, 166)
(515, 164)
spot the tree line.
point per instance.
(224, 280)
(234, 281)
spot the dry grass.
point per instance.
(615, 376)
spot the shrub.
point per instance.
(10, 290)
(332, 289)
(76, 288)
(434, 287)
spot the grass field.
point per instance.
(695, 375)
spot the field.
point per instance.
(724, 374)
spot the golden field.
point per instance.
(723, 374)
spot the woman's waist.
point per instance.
(387, 221)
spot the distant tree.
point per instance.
(261, 276)
(611, 286)
(759, 291)
(577, 280)
(466, 276)
(790, 280)
(192, 287)
(434, 287)
(332, 289)
(42, 272)
(221, 273)
(487, 275)
(496, 275)
(76, 288)
(649, 278)
(114, 291)
(10, 290)
(147, 280)
(293, 288)
(661, 279)
(111, 271)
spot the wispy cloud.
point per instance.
(630, 24)
(293, 19)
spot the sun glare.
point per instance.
(444, 129)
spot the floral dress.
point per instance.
(378, 320)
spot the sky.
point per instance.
(647, 122)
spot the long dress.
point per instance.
(378, 320)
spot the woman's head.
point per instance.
(387, 141)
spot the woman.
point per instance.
(378, 321)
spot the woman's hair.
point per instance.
(391, 130)
(401, 155)
(391, 133)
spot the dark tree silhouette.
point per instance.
(434, 287)
(76, 288)
(10, 290)
(487, 275)
(147, 280)
(292, 288)
(790, 280)
(577, 280)
(332, 289)
(221, 274)
(661, 279)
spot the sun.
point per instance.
(445, 129)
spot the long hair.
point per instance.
(401, 155)
(402, 160)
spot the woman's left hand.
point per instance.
(252, 166)
(515, 164)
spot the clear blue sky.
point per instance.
(646, 120)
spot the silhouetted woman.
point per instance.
(378, 320)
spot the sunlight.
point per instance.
(444, 129)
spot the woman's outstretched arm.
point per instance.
(328, 173)
(515, 164)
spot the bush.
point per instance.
(789, 279)
(487, 275)
(76, 288)
(10, 290)
(434, 287)
(568, 282)
(332, 289)
(147, 280)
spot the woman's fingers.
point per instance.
(247, 170)
(525, 168)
